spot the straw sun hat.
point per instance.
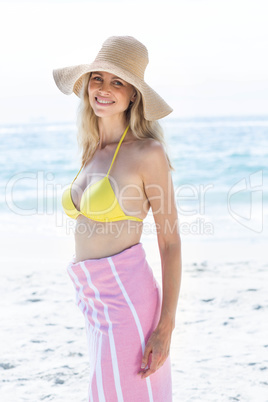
(125, 57)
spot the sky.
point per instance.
(207, 57)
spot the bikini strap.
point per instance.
(117, 149)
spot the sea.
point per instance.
(220, 174)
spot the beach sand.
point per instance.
(219, 348)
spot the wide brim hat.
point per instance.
(125, 57)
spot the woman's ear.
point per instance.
(133, 97)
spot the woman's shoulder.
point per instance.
(151, 154)
(150, 147)
(152, 150)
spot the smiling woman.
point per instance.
(109, 94)
(124, 168)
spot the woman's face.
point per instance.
(109, 95)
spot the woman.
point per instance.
(125, 171)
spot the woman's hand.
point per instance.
(159, 345)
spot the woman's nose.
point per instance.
(104, 87)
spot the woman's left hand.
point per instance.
(159, 345)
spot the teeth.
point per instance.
(103, 101)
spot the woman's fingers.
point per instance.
(159, 346)
(157, 361)
(153, 366)
(145, 358)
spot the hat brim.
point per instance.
(70, 79)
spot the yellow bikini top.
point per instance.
(98, 201)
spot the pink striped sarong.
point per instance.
(121, 302)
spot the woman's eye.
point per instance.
(96, 78)
(118, 83)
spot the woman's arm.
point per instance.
(160, 193)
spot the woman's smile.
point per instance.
(103, 101)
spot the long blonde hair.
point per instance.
(87, 124)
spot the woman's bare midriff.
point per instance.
(98, 239)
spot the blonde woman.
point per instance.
(125, 171)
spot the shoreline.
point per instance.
(50, 247)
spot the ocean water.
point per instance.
(220, 176)
(221, 165)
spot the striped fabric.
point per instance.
(121, 302)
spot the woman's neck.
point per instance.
(110, 130)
